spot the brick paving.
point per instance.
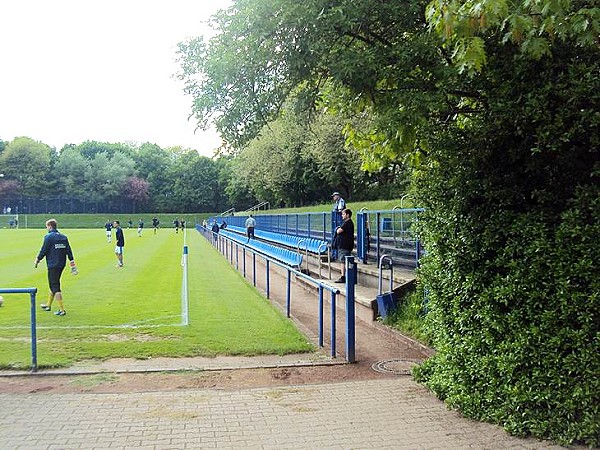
(389, 413)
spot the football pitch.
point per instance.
(135, 311)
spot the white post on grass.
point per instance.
(184, 288)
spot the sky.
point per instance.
(74, 70)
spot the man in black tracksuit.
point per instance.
(55, 249)
(345, 235)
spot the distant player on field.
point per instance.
(140, 227)
(155, 223)
(108, 226)
(120, 242)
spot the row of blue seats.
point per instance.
(317, 246)
(280, 254)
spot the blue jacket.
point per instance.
(55, 248)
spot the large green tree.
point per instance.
(27, 162)
(495, 106)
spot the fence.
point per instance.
(232, 249)
(377, 232)
(68, 205)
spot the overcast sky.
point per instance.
(75, 70)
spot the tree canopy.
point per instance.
(494, 108)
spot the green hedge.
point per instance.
(512, 232)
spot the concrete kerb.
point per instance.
(175, 365)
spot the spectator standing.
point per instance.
(250, 225)
(215, 229)
(339, 204)
(120, 243)
(108, 227)
(56, 249)
(345, 241)
(140, 227)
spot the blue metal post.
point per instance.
(33, 333)
(267, 280)
(254, 269)
(244, 261)
(288, 292)
(378, 221)
(333, 295)
(320, 315)
(351, 270)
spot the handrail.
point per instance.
(257, 206)
(31, 291)
(230, 210)
(350, 296)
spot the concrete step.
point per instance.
(366, 291)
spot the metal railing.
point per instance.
(258, 206)
(31, 291)
(232, 249)
(377, 232)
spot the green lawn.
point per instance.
(135, 311)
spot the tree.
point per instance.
(72, 167)
(497, 116)
(532, 26)
(136, 189)
(28, 163)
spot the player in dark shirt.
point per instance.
(120, 238)
(56, 249)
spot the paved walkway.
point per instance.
(388, 413)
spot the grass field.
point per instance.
(135, 311)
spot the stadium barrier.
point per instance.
(311, 246)
(32, 292)
(231, 245)
(392, 232)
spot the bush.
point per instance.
(511, 228)
(409, 316)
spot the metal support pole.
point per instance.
(33, 333)
(267, 277)
(351, 271)
(333, 295)
(244, 261)
(288, 293)
(320, 315)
